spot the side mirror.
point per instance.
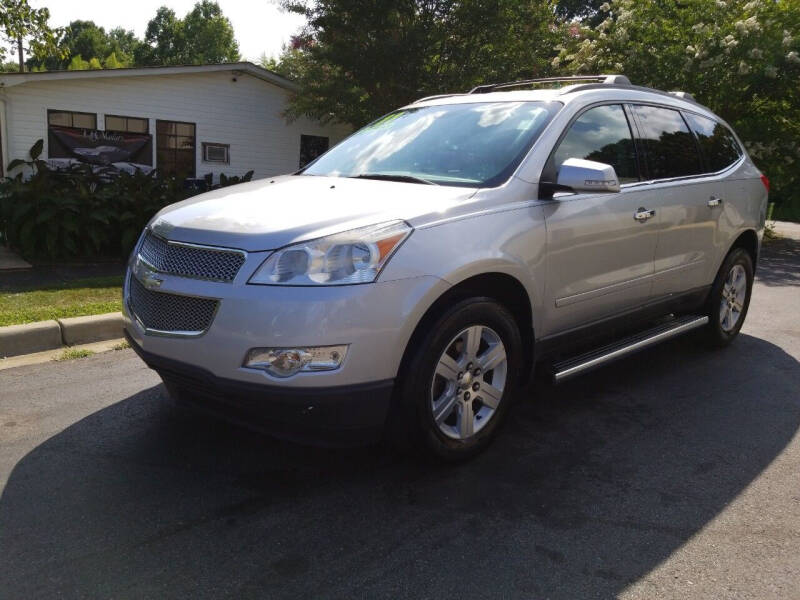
(587, 176)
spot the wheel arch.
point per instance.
(748, 241)
(502, 287)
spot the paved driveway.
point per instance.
(671, 474)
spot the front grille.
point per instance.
(191, 261)
(169, 312)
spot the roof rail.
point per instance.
(600, 86)
(436, 97)
(605, 79)
(684, 95)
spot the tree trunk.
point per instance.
(19, 50)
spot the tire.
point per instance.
(429, 386)
(731, 288)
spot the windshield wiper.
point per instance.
(389, 177)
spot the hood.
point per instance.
(271, 213)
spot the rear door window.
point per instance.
(601, 134)
(717, 144)
(669, 145)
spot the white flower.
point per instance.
(771, 72)
(740, 27)
(618, 67)
(751, 6)
(793, 57)
(721, 4)
(698, 27)
(787, 39)
(744, 69)
(752, 24)
(690, 49)
(605, 7)
(756, 53)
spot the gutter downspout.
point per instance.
(3, 134)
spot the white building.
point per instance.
(185, 120)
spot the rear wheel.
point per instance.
(730, 298)
(456, 386)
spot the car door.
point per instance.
(600, 246)
(685, 200)
(721, 154)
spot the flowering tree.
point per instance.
(741, 59)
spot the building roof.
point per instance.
(248, 68)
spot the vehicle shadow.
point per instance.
(591, 485)
(778, 262)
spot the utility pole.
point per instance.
(19, 51)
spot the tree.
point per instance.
(123, 43)
(358, 59)
(586, 11)
(740, 58)
(77, 63)
(87, 39)
(20, 24)
(209, 35)
(111, 62)
(205, 35)
(164, 42)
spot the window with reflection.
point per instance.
(175, 148)
(71, 118)
(477, 144)
(717, 144)
(669, 145)
(601, 134)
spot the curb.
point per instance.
(49, 335)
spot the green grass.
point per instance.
(71, 353)
(73, 299)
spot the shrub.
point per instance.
(79, 212)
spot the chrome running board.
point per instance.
(585, 362)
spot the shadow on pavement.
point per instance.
(591, 485)
(778, 262)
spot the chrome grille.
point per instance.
(165, 312)
(191, 261)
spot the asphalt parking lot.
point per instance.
(671, 474)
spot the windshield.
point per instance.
(476, 145)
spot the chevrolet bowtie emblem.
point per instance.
(150, 280)
(147, 276)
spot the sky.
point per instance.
(260, 25)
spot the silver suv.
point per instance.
(406, 282)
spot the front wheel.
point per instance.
(730, 298)
(456, 386)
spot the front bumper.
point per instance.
(341, 415)
(374, 320)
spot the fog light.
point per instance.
(285, 362)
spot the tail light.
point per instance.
(765, 181)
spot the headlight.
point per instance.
(355, 256)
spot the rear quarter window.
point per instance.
(717, 143)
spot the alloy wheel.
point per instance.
(468, 383)
(734, 292)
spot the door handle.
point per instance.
(714, 201)
(642, 214)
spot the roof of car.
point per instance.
(581, 93)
